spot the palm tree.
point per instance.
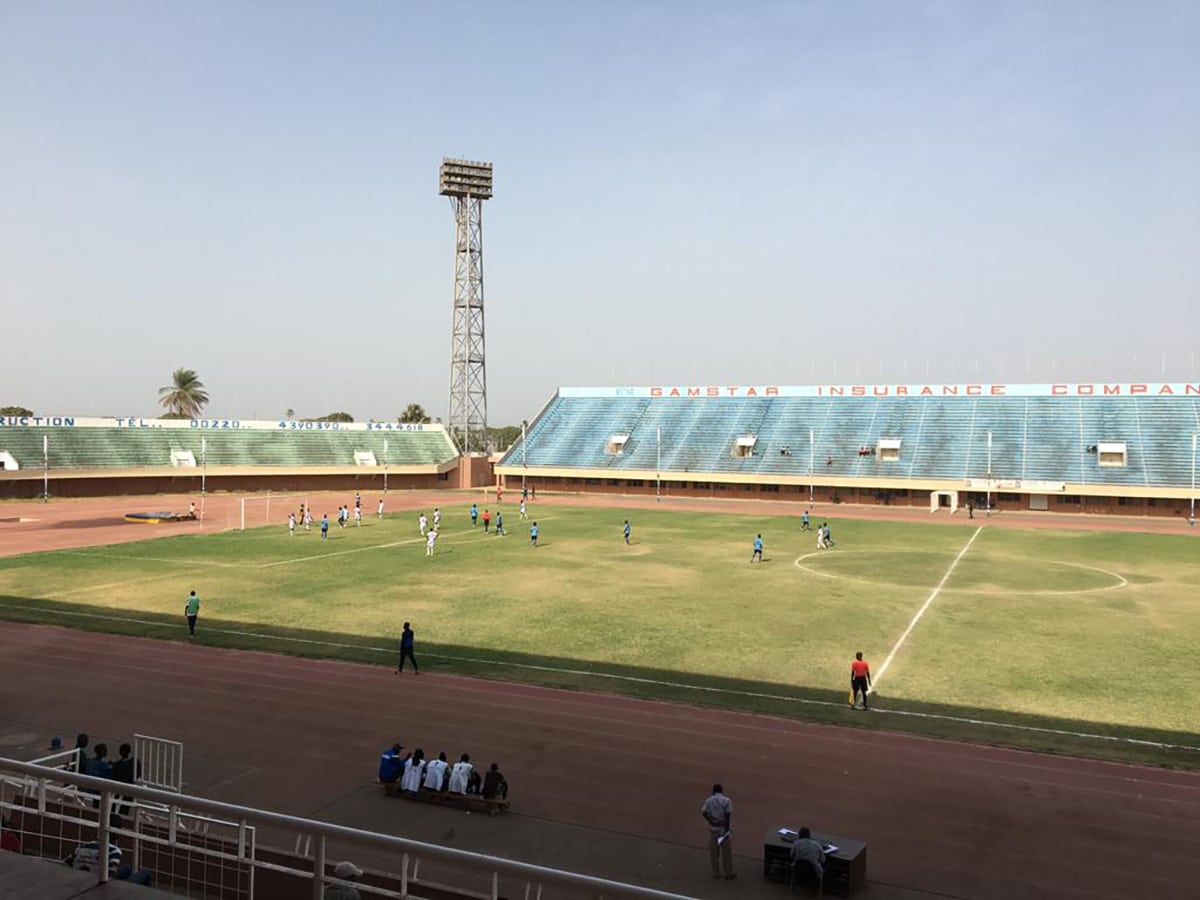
(414, 412)
(185, 396)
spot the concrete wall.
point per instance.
(849, 493)
(474, 471)
(115, 486)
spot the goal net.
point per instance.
(270, 509)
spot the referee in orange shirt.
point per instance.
(860, 679)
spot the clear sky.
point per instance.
(770, 193)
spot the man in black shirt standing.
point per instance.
(406, 650)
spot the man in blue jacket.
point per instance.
(391, 764)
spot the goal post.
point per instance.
(256, 511)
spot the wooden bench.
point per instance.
(470, 802)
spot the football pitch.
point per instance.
(1070, 641)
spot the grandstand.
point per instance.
(95, 457)
(1070, 447)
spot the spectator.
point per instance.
(87, 857)
(436, 773)
(808, 859)
(100, 767)
(141, 876)
(126, 769)
(414, 771)
(391, 766)
(347, 872)
(494, 784)
(9, 839)
(81, 757)
(462, 775)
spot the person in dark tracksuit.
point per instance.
(406, 650)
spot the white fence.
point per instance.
(221, 841)
(161, 762)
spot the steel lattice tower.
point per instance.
(467, 184)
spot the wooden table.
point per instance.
(845, 870)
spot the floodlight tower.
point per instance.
(467, 184)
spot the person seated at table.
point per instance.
(494, 784)
(391, 764)
(461, 775)
(414, 771)
(808, 859)
(435, 773)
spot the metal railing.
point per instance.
(160, 761)
(39, 786)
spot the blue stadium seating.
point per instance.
(1032, 438)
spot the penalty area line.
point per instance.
(635, 679)
(920, 612)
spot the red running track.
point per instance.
(955, 819)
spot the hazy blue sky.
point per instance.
(685, 193)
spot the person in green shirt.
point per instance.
(192, 609)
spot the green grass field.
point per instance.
(1034, 632)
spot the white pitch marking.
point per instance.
(920, 612)
(633, 679)
(299, 559)
(117, 584)
(158, 559)
(1119, 580)
(417, 540)
(279, 562)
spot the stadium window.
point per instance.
(615, 445)
(1110, 453)
(701, 485)
(1152, 501)
(743, 447)
(634, 483)
(614, 482)
(1070, 499)
(1129, 501)
(443, 476)
(720, 487)
(887, 449)
(592, 481)
(769, 488)
(1009, 498)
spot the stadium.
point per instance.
(901, 472)
(1087, 448)
(927, 639)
